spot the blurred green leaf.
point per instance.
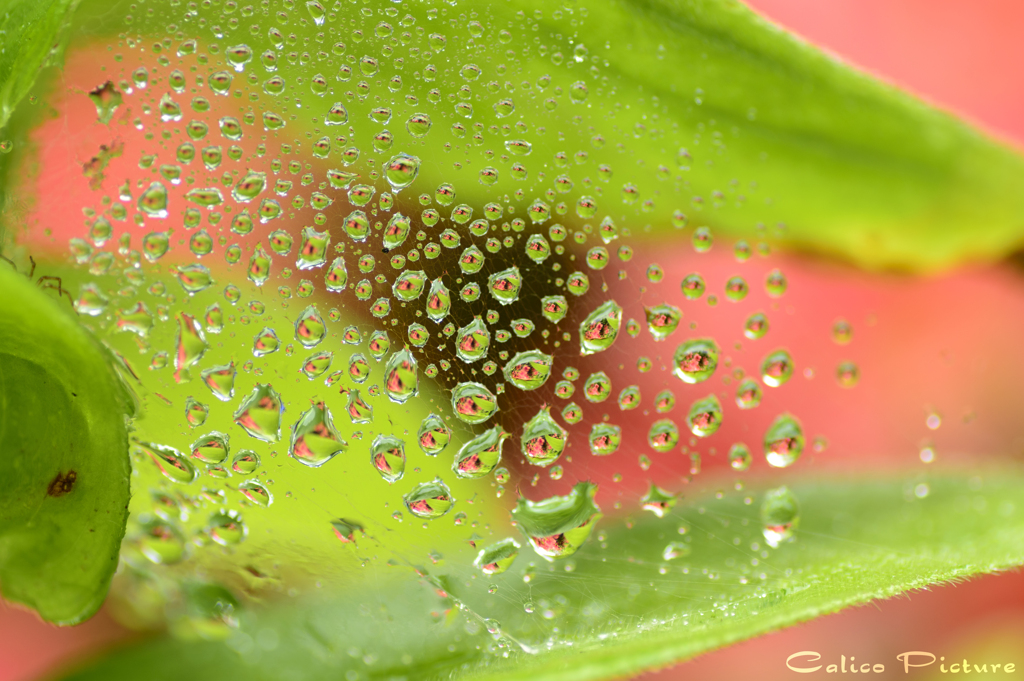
(624, 607)
(31, 32)
(64, 467)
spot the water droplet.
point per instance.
(315, 440)
(528, 370)
(498, 557)
(255, 492)
(847, 374)
(696, 360)
(702, 240)
(663, 435)
(195, 412)
(740, 457)
(543, 440)
(265, 342)
(220, 380)
(439, 301)
(313, 250)
(705, 416)
(658, 501)
(409, 285)
(379, 344)
(554, 308)
(842, 332)
(675, 549)
(775, 283)
(780, 515)
(505, 285)
(429, 500)
(211, 448)
(336, 278)
(161, 542)
(316, 364)
(259, 266)
(736, 289)
(387, 454)
(433, 435)
(481, 455)
(756, 326)
(153, 201)
(783, 441)
(600, 329)
(226, 528)
(310, 328)
(605, 439)
(194, 278)
(345, 529)
(259, 414)
(173, 464)
(558, 526)
(473, 402)
(245, 462)
(629, 398)
(190, 346)
(777, 368)
(401, 171)
(473, 341)
(418, 125)
(401, 377)
(693, 286)
(663, 320)
(358, 410)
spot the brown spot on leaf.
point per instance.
(62, 484)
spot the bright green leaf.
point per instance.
(31, 32)
(63, 457)
(624, 608)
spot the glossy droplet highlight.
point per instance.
(705, 416)
(387, 454)
(600, 329)
(473, 403)
(543, 440)
(433, 435)
(528, 370)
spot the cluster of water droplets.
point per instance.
(336, 269)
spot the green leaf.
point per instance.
(32, 33)
(624, 608)
(63, 457)
(853, 167)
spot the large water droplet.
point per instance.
(558, 526)
(473, 402)
(605, 439)
(663, 435)
(748, 394)
(663, 320)
(190, 346)
(505, 285)
(401, 376)
(396, 232)
(401, 171)
(695, 360)
(259, 414)
(543, 439)
(315, 440)
(658, 501)
(472, 341)
(310, 328)
(211, 448)
(221, 380)
(783, 441)
(777, 368)
(313, 250)
(481, 455)
(387, 454)
(528, 370)
(705, 416)
(439, 301)
(498, 557)
(153, 201)
(740, 457)
(433, 435)
(358, 410)
(600, 329)
(226, 528)
(780, 515)
(173, 464)
(429, 500)
(259, 266)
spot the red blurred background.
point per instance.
(963, 56)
